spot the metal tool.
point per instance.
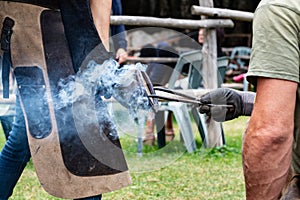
(178, 96)
(146, 82)
(181, 97)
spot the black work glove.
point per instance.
(242, 103)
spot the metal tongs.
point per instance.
(175, 95)
(181, 97)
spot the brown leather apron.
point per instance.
(73, 158)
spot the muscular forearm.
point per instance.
(268, 139)
(266, 161)
(101, 15)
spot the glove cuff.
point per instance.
(248, 102)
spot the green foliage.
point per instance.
(169, 173)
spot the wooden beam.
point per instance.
(210, 80)
(152, 59)
(170, 22)
(222, 13)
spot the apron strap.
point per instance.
(6, 33)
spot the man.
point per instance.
(15, 154)
(268, 145)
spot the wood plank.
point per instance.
(151, 59)
(223, 13)
(170, 22)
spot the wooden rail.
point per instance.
(152, 59)
(170, 22)
(223, 13)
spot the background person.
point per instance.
(159, 74)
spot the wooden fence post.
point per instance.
(210, 76)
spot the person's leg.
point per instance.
(7, 123)
(14, 155)
(169, 128)
(149, 133)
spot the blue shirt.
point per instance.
(118, 31)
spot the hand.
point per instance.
(121, 55)
(222, 96)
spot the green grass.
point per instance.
(169, 173)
